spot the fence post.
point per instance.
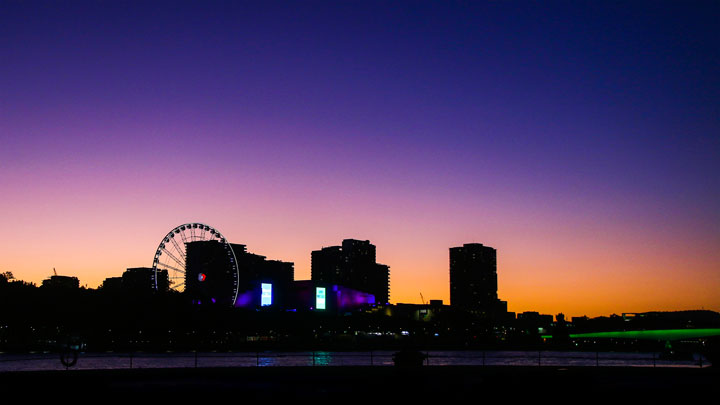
(195, 358)
(483, 357)
(313, 358)
(131, 358)
(257, 359)
(371, 358)
(539, 361)
(653, 360)
(597, 359)
(700, 360)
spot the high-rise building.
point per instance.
(352, 265)
(473, 278)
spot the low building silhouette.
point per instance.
(143, 279)
(210, 278)
(112, 284)
(66, 282)
(262, 282)
(137, 280)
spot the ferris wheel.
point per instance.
(171, 256)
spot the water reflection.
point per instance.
(96, 361)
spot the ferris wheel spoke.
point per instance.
(183, 237)
(172, 256)
(179, 250)
(172, 268)
(174, 246)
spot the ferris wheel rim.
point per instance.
(192, 226)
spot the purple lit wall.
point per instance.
(245, 299)
(348, 299)
(338, 298)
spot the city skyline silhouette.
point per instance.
(476, 273)
(579, 140)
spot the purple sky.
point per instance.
(581, 139)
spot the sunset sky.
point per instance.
(581, 139)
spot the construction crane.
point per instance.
(54, 271)
(422, 298)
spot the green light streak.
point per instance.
(664, 334)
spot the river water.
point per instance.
(98, 361)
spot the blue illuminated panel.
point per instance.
(320, 297)
(266, 296)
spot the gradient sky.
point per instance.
(581, 139)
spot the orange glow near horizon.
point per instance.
(595, 273)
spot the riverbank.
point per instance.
(369, 383)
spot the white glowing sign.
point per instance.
(266, 295)
(320, 297)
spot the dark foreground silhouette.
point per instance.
(370, 383)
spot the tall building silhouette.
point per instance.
(352, 265)
(209, 273)
(473, 278)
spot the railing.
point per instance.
(113, 360)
